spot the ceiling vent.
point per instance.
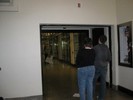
(8, 5)
(6, 2)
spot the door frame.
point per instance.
(46, 27)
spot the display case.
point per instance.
(125, 44)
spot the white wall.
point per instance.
(20, 38)
(124, 14)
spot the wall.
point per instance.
(124, 14)
(20, 38)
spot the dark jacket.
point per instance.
(85, 57)
(103, 55)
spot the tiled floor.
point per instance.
(60, 83)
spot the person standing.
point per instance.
(86, 70)
(103, 56)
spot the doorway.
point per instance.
(93, 32)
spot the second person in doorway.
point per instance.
(103, 56)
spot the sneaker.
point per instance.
(76, 95)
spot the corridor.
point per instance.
(60, 83)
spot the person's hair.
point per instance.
(87, 41)
(103, 39)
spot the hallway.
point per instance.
(60, 83)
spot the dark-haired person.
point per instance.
(102, 58)
(86, 70)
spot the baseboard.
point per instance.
(120, 88)
(36, 97)
(125, 90)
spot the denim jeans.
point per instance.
(85, 82)
(101, 73)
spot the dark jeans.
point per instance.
(101, 73)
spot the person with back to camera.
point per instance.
(103, 56)
(86, 70)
